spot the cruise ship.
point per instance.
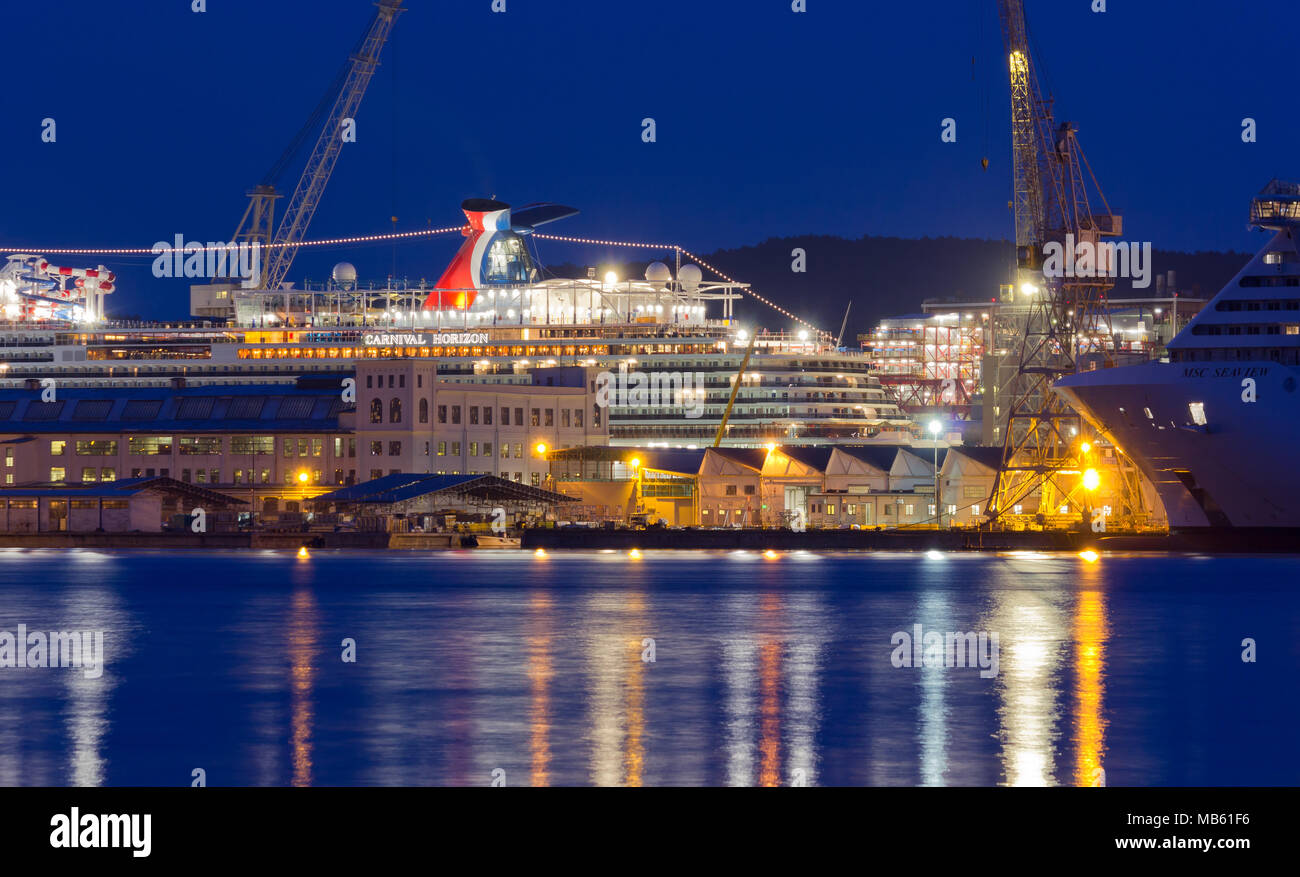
(1212, 425)
(492, 317)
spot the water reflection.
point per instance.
(92, 608)
(769, 679)
(805, 621)
(1031, 631)
(303, 635)
(761, 677)
(1090, 688)
(739, 666)
(540, 609)
(934, 614)
(37, 702)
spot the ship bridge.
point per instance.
(1277, 206)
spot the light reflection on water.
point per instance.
(537, 672)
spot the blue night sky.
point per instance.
(770, 123)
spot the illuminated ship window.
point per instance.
(142, 409)
(245, 407)
(507, 261)
(43, 411)
(92, 409)
(1197, 410)
(1147, 412)
(195, 408)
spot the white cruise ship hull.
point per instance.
(1237, 469)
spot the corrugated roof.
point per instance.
(396, 488)
(816, 457)
(116, 490)
(751, 457)
(224, 408)
(927, 455)
(680, 460)
(880, 456)
(990, 457)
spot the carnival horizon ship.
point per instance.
(1212, 426)
(493, 318)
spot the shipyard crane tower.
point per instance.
(1060, 320)
(340, 103)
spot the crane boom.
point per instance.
(351, 88)
(735, 388)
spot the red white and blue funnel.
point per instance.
(494, 253)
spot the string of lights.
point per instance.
(768, 302)
(556, 237)
(201, 247)
(198, 247)
(684, 252)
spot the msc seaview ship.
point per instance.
(1213, 427)
(491, 318)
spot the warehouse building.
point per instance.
(133, 505)
(276, 446)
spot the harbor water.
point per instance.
(669, 668)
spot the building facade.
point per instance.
(276, 446)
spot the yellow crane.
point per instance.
(735, 388)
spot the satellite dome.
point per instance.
(690, 276)
(658, 273)
(344, 274)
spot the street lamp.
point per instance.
(302, 478)
(935, 428)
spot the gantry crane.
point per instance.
(1061, 319)
(340, 103)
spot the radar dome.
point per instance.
(345, 274)
(657, 272)
(690, 276)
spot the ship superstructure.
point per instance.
(492, 318)
(1212, 427)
